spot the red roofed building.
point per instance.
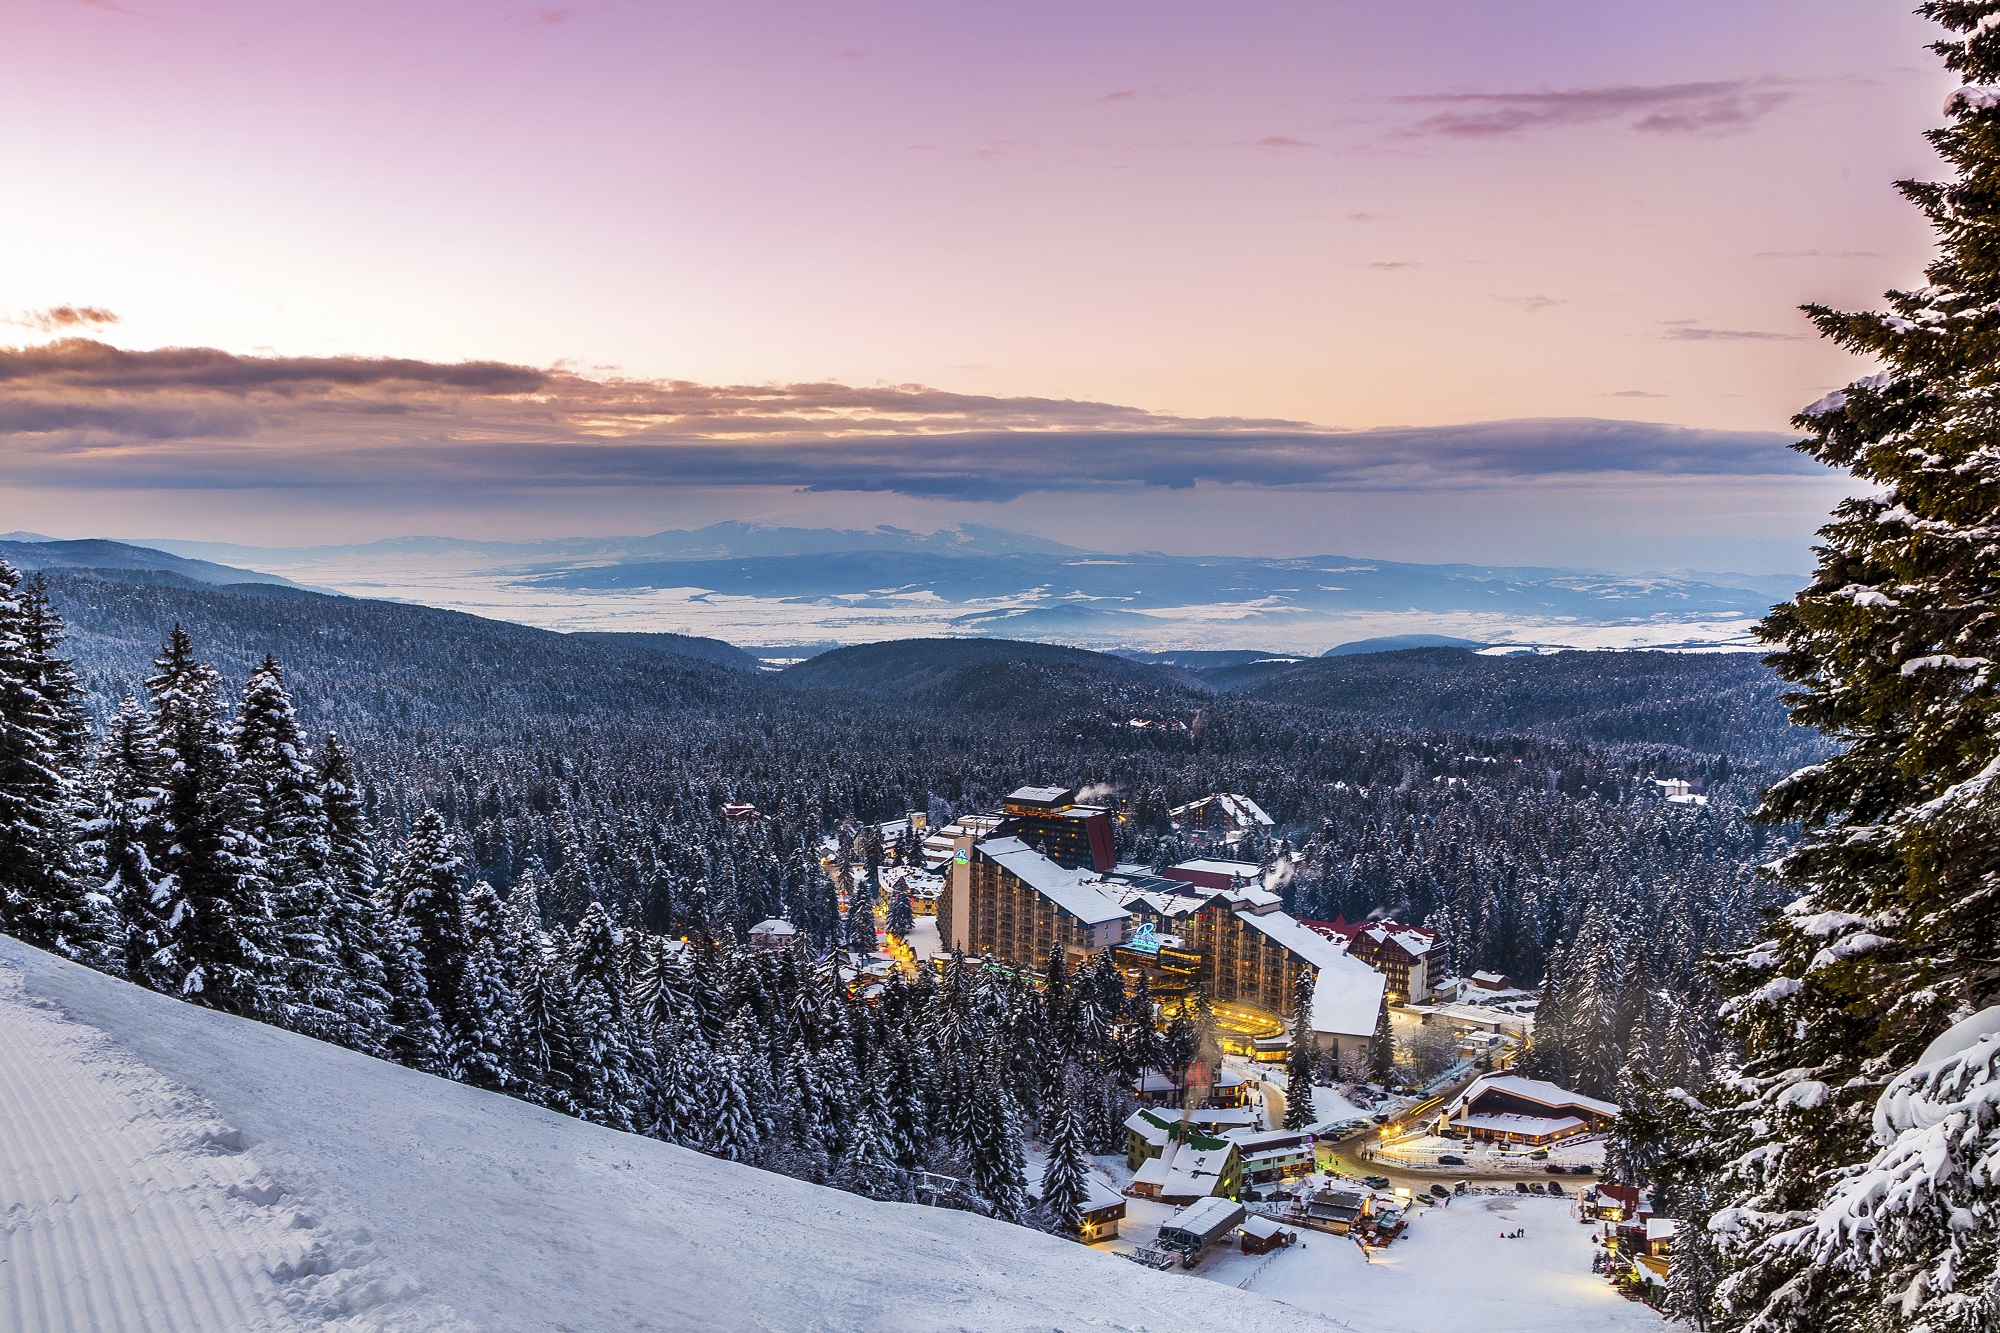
(1400, 953)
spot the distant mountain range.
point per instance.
(751, 584)
(31, 551)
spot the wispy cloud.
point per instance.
(79, 413)
(1695, 333)
(1631, 393)
(1817, 254)
(1394, 264)
(1531, 303)
(62, 318)
(1281, 141)
(1665, 108)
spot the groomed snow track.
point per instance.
(126, 1204)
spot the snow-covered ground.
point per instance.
(1450, 1272)
(166, 1167)
(1330, 1106)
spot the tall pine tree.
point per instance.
(218, 948)
(1860, 1186)
(45, 896)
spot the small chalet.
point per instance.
(1156, 1089)
(1226, 813)
(1506, 1108)
(740, 812)
(1339, 1208)
(1261, 1235)
(1614, 1203)
(1103, 1210)
(1191, 1166)
(1271, 1158)
(774, 933)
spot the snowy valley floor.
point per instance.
(163, 1167)
(1451, 1272)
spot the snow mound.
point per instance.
(166, 1167)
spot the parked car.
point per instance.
(1539, 1155)
(1520, 1187)
(1555, 1187)
(1376, 1182)
(1442, 1192)
(1555, 1168)
(1380, 1117)
(1449, 1159)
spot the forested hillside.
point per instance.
(1502, 800)
(581, 780)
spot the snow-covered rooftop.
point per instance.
(1079, 892)
(1533, 1090)
(1259, 1227)
(1247, 870)
(1347, 993)
(1529, 1126)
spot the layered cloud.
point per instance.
(82, 414)
(1664, 108)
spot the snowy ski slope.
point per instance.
(164, 1167)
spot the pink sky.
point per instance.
(1348, 214)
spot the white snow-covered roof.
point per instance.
(1259, 1227)
(1187, 1171)
(1202, 1214)
(1148, 1126)
(1347, 993)
(1251, 897)
(1079, 892)
(1246, 870)
(774, 926)
(1165, 904)
(1240, 810)
(1347, 996)
(1531, 1126)
(1244, 810)
(1533, 1090)
(1039, 795)
(1661, 1228)
(1414, 942)
(1096, 1194)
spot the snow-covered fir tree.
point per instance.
(1303, 1058)
(1856, 1137)
(220, 947)
(290, 826)
(127, 782)
(1065, 1190)
(45, 894)
(902, 919)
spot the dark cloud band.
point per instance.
(81, 414)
